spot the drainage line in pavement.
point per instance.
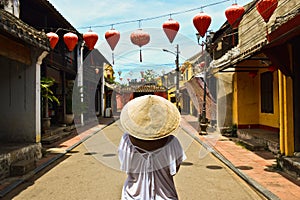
(268, 194)
(18, 182)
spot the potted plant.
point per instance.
(69, 116)
(47, 97)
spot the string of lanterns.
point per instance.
(201, 22)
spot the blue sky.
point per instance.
(100, 14)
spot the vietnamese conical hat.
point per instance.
(150, 117)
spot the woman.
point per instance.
(148, 153)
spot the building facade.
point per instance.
(262, 71)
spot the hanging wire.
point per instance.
(157, 17)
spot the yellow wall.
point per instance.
(246, 99)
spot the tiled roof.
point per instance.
(15, 27)
(142, 88)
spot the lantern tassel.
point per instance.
(113, 58)
(141, 55)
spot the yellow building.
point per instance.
(265, 76)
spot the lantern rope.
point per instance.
(156, 17)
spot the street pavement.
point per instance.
(86, 167)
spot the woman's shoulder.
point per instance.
(149, 145)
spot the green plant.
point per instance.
(46, 92)
(234, 130)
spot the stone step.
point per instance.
(290, 165)
(22, 167)
(252, 145)
(51, 139)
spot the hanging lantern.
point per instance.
(202, 65)
(272, 68)
(70, 40)
(119, 72)
(266, 8)
(252, 74)
(112, 37)
(202, 22)
(90, 38)
(53, 39)
(140, 38)
(234, 15)
(171, 28)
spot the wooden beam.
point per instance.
(14, 50)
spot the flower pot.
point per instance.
(46, 123)
(69, 118)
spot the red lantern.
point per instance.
(202, 65)
(272, 68)
(234, 15)
(53, 39)
(202, 22)
(90, 38)
(70, 40)
(252, 74)
(171, 28)
(112, 37)
(140, 38)
(266, 8)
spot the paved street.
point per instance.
(90, 171)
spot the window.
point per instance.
(266, 89)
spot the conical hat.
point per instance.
(150, 117)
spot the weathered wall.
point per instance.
(253, 29)
(18, 88)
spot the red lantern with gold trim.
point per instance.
(202, 22)
(90, 38)
(140, 38)
(252, 74)
(70, 40)
(53, 39)
(234, 15)
(266, 8)
(171, 28)
(112, 37)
